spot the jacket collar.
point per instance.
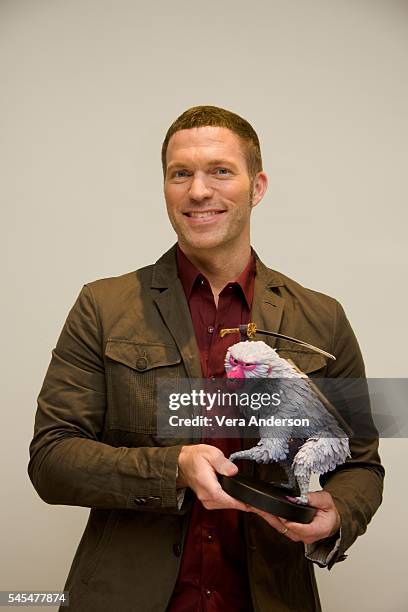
(267, 306)
(165, 272)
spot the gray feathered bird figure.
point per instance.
(325, 443)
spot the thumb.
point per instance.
(320, 499)
(226, 467)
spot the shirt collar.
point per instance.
(189, 274)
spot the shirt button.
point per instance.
(210, 329)
(177, 549)
(208, 593)
(210, 538)
(202, 281)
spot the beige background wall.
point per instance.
(88, 88)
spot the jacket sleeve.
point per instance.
(68, 462)
(357, 485)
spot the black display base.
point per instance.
(266, 496)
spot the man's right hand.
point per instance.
(198, 468)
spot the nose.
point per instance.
(199, 188)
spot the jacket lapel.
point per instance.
(173, 307)
(267, 306)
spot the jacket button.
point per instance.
(177, 549)
(141, 363)
(139, 500)
(154, 500)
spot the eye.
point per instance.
(247, 365)
(223, 171)
(233, 361)
(180, 173)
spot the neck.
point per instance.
(219, 267)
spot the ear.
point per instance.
(259, 188)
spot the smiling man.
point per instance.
(210, 193)
(162, 534)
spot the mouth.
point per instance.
(203, 217)
(203, 214)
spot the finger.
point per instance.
(213, 496)
(284, 527)
(308, 533)
(222, 501)
(224, 505)
(273, 520)
(302, 530)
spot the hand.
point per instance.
(198, 466)
(325, 523)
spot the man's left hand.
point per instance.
(325, 523)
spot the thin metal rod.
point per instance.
(251, 329)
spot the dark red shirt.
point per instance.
(213, 573)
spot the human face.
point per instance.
(208, 191)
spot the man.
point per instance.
(162, 534)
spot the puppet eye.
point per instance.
(233, 360)
(248, 364)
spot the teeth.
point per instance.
(199, 215)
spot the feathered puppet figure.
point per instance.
(325, 444)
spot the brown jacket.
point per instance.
(94, 443)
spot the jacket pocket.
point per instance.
(102, 543)
(132, 370)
